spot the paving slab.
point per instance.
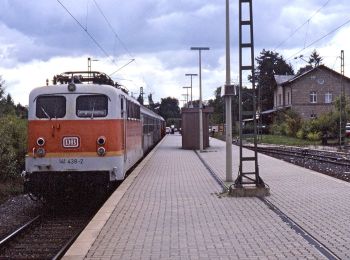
(316, 202)
(172, 209)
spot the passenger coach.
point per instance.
(85, 136)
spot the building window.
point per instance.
(279, 99)
(276, 100)
(328, 98)
(288, 101)
(313, 116)
(313, 97)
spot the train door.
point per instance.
(124, 117)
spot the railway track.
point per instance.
(334, 164)
(44, 237)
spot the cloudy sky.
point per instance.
(42, 38)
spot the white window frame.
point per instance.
(328, 97)
(313, 97)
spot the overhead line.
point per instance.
(92, 38)
(122, 43)
(97, 44)
(307, 21)
(319, 39)
(112, 29)
(122, 67)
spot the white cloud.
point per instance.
(159, 34)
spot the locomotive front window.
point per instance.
(92, 106)
(50, 107)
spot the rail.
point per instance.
(18, 231)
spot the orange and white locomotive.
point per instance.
(85, 136)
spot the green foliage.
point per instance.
(169, 108)
(269, 64)
(315, 59)
(218, 104)
(301, 134)
(314, 136)
(285, 140)
(287, 123)
(12, 146)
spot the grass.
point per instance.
(286, 140)
(10, 188)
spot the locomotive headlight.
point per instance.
(71, 87)
(40, 141)
(101, 140)
(40, 152)
(101, 151)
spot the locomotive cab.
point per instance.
(84, 137)
(75, 138)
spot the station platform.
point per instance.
(171, 207)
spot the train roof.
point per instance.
(99, 83)
(149, 112)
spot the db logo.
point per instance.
(70, 142)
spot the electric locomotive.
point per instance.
(84, 133)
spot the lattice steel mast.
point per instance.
(251, 176)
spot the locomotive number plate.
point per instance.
(70, 142)
(71, 161)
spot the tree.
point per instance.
(2, 87)
(21, 111)
(304, 69)
(315, 59)
(218, 105)
(169, 108)
(151, 105)
(269, 64)
(12, 146)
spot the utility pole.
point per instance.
(141, 95)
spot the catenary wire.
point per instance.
(122, 43)
(85, 29)
(112, 29)
(302, 25)
(319, 39)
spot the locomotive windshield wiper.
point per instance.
(46, 114)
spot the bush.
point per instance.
(301, 134)
(286, 123)
(12, 146)
(314, 136)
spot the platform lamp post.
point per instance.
(187, 94)
(191, 75)
(186, 99)
(200, 49)
(229, 91)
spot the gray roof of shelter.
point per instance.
(280, 79)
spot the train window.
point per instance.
(92, 106)
(133, 110)
(50, 107)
